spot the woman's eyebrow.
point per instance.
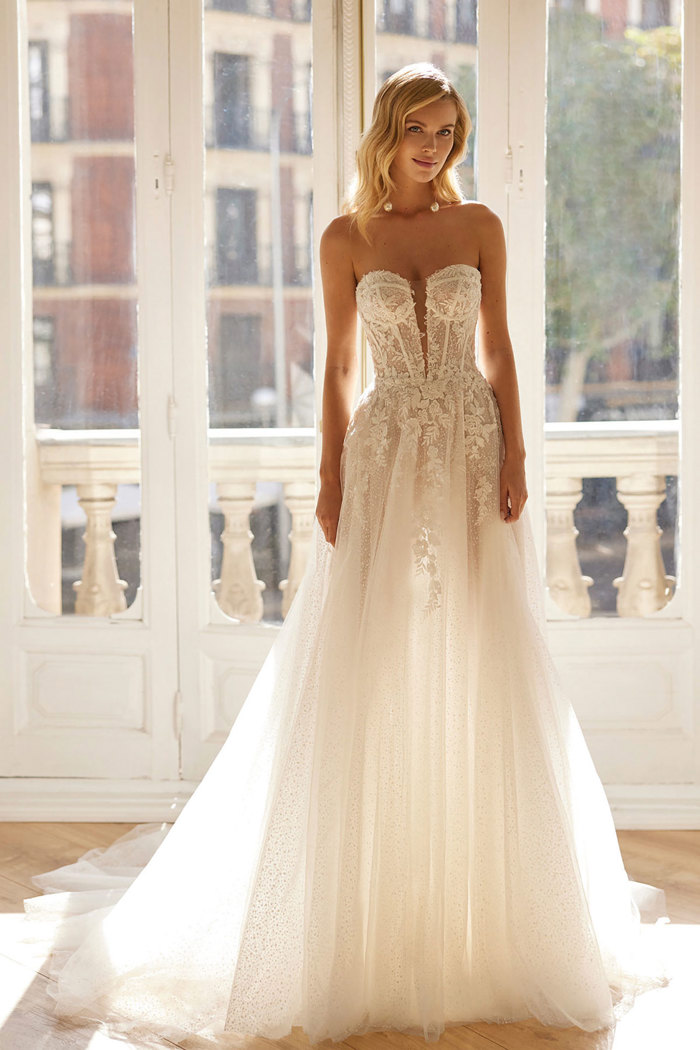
(412, 120)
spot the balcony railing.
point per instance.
(54, 124)
(96, 462)
(57, 271)
(58, 124)
(454, 25)
(249, 129)
(639, 456)
(300, 10)
(259, 271)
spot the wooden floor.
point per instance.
(664, 1019)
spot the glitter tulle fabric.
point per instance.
(404, 828)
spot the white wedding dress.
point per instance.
(404, 828)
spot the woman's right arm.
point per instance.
(338, 279)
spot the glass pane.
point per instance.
(258, 214)
(444, 34)
(613, 208)
(81, 117)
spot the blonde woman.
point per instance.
(404, 828)
(406, 218)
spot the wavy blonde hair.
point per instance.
(405, 91)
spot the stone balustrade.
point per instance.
(638, 455)
(97, 461)
(237, 461)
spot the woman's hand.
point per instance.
(513, 488)
(328, 508)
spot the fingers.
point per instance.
(504, 502)
(517, 508)
(328, 507)
(512, 504)
(329, 527)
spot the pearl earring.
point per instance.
(388, 206)
(434, 206)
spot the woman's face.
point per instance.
(428, 139)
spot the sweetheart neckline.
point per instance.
(435, 273)
(409, 284)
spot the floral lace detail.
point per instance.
(386, 306)
(404, 828)
(427, 562)
(424, 430)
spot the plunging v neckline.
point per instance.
(409, 282)
(422, 333)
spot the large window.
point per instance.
(612, 253)
(612, 265)
(81, 109)
(163, 193)
(258, 172)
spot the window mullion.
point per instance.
(527, 38)
(686, 599)
(343, 44)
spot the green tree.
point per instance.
(613, 194)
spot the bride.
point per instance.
(406, 168)
(404, 828)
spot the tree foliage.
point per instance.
(613, 196)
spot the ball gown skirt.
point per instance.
(404, 828)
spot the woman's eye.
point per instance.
(444, 131)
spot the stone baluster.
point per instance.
(568, 587)
(238, 592)
(100, 592)
(644, 586)
(300, 498)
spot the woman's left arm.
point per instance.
(498, 362)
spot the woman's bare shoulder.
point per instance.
(336, 243)
(477, 213)
(338, 230)
(482, 227)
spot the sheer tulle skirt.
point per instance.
(404, 828)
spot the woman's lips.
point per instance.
(425, 163)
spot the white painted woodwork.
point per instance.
(86, 697)
(118, 716)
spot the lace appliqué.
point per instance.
(420, 414)
(426, 561)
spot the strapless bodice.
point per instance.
(387, 307)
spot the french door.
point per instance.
(160, 394)
(170, 166)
